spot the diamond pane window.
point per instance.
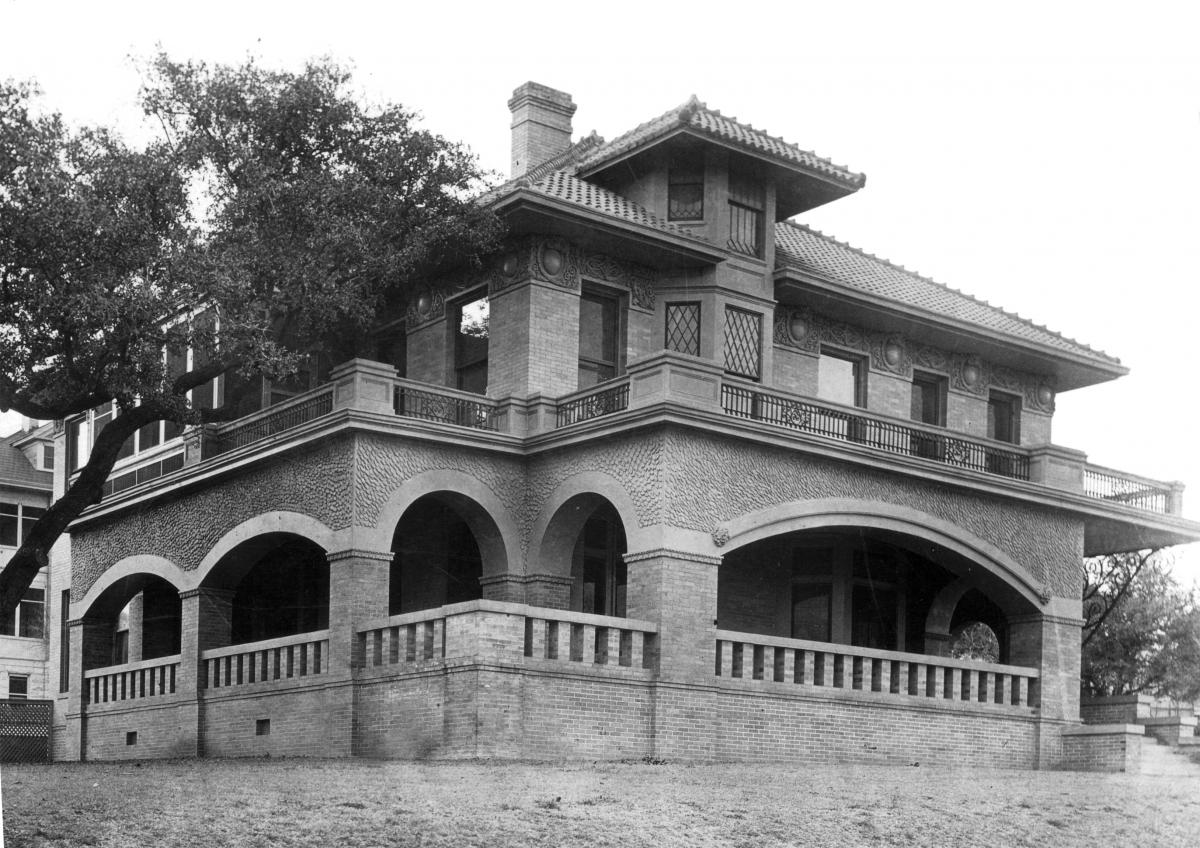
(683, 328)
(743, 343)
(685, 189)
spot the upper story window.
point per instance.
(83, 431)
(929, 399)
(746, 204)
(29, 618)
(599, 338)
(471, 322)
(47, 457)
(743, 343)
(1004, 418)
(682, 333)
(685, 188)
(16, 520)
(842, 378)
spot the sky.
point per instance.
(1043, 156)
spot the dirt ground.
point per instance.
(370, 803)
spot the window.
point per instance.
(18, 686)
(1004, 422)
(685, 188)
(48, 457)
(29, 618)
(746, 204)
(683, 328)
(16, 521)
(471, 345)
(599, 339)
(842, 378)
(64, 641)
(812, 594)
(929, 399)
(743, 343)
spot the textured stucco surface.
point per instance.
(316, 481)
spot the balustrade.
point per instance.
(747, 656)
(607, 398)
(570, 637)
(132, 681)
(288, 658)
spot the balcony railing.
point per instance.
(876, 433)
(143, 473)
(132, 681)
(605, 399)
(431, 403)
(268, 422)
(287, 658)
(747, 656)
(1108, 485)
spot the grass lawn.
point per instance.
(367, 803)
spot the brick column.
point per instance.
(137, 607)
(677, 591)
(1052, 645)
(205, 621)
(90, 647)
(358, 594)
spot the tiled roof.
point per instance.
(564, 186)
(698, 117)
(15, 468)
(806, 249)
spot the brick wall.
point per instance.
(309, 721)
(163, 729)
(1109, 747)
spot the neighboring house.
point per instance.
(675, 475)
(26, 480)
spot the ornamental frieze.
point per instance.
(889, 352)
(967, 374)
(924, 356)
(556, 261)
(638, 278)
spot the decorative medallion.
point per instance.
(968, 374)
(1040, 395)
(889, 353)
(555, 262)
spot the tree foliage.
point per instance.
(1141, 631)
(292, 214)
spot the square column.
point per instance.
(677, 590)
(1052, 645)
(358, 595)
(90, 647)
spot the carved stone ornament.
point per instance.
(638, 278)
(889, 353)
(429, 306)
(793, 327)
(59, 426)
(1039, 394)
(555, 261)
(968, 375)
(720, 535)
(932, 358)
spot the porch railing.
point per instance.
(143, 473)
(747, 656)
(572, 637)
(431, 403)
(132, 681)
(1117, 487)
(877, 433)
(408, 639)
(268, 422)
(605, 399)
(287, 658)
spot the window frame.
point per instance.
(456, 335)
(685, 170)
(617, 301)
(682, 304)
(20, 517)
(1013, 418)
(758, 322)
(18, 696)
(23, 612)
(861, 368)
(940, 385)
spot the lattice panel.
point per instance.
(683, 328)
(743, 343)
(24, 731)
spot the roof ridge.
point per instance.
(926, 279)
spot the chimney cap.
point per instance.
(547, 97)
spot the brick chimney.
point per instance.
(541, 125)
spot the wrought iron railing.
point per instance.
(273, 420)
(604, 401)
(1108, 485)
(432, 405)
(873, 432)
(745, 229)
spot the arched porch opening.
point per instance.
(277, 585)
(863, 586)
(437, 553)
(585, 543)
(137, 618)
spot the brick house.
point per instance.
(26, 463)
(674, 475)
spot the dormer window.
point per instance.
(685, 188)
(746, 204)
